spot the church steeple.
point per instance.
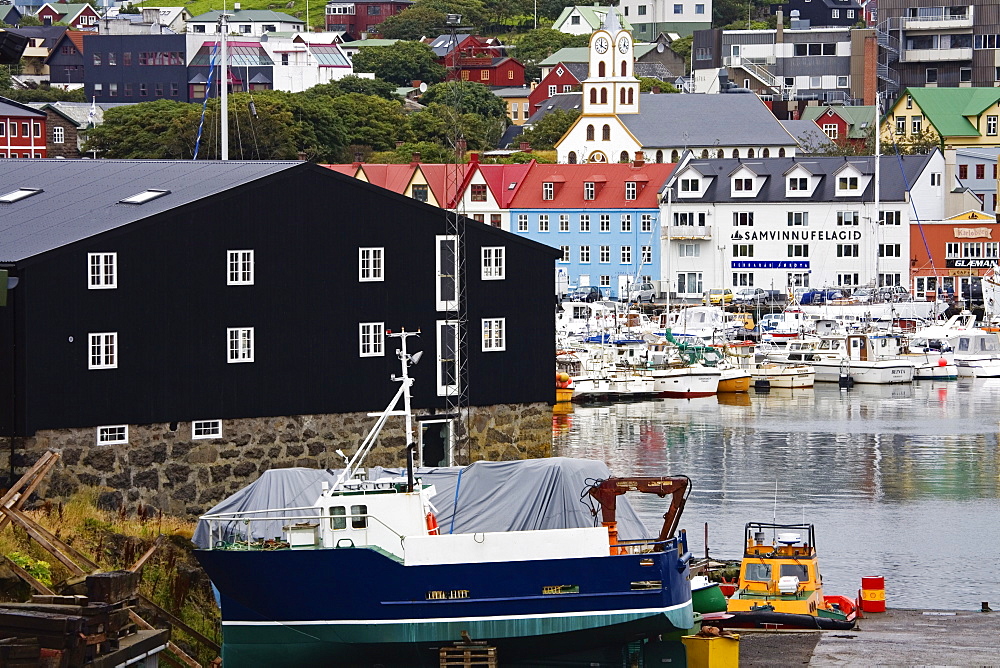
(611, 87)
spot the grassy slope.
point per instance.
(297, 8)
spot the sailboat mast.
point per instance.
(224, 84)
(878, 172)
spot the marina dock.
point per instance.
(896, 638)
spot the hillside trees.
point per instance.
(400, 63)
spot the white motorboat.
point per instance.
(974, 352)
(786, 376)
(863, 358)
(685, 382)
(707, 324)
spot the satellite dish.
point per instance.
(423, 87)
(660, 47)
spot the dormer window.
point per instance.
(549, 190)
(630, 190)
(798, 183)
(847, 183)
(690, 185)
(588, 190)
(743, 184)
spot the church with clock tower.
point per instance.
(611, 90)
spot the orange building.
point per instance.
(951, 256)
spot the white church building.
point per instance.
(616, 121)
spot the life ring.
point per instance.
(432, 525)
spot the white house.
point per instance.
(786, 222)
(617, 121)
(245, 22)
(303, 60)
(585, 19)
(651, 17)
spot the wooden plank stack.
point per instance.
(72, 631)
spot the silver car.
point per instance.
(640, 292)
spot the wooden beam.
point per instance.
(13, 491)
(32, 486)
(50, 542)
(149, 553)
(184, 656)
(204, 640)
(29, 578)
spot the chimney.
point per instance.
(779, 34)
(474, 158)
(416, 83)
(460, 146)
(415, 159)
(357, 157)
(639, 159)
(302, 156)
(355, 165)
(236, 6)
(655, 90)
(524, 147)
(399, 144)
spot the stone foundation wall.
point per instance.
(164, 467)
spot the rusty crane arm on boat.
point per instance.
(607, 492)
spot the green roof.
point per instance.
(241, 15)
(594, 16)
(948, 109)
(859, 119)
(68, 10)
(581, 54)
(370, 42)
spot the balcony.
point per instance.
(934, 55)
(939, 22)
(680, 232)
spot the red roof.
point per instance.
(610, 188)
(500, 178)
(350, 170)
(445, 180)
(76, 36)
(390, 177)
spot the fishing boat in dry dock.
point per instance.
(385, 568)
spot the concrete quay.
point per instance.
(892, 638)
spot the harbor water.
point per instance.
(900, 481)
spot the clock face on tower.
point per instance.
(601, 45)
(623, 45)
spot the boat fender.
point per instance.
(432, 525)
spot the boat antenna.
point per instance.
(405, 359)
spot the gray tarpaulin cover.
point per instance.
(485, 496)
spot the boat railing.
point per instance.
(224, 528)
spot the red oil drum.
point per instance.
(873, 594)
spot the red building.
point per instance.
(963, 249)
(359, 17)
(489, 71)
(22, 131)
(561, 79)
(79, 16)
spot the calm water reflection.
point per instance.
(900, 481)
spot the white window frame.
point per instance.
(584, 254)
(589, 190)
(848, 184)
(239, 344)
(102, 271)
(543, 222)
(522, 222)
(565, 253)
(625, 223)
(564, 222)
(645, 222)
(548, 190)
(240, 265)
(371, 264)
(112, 434)
(605, 257)
(202, 429)
(494, 335)
(58, 135)
(493, 263)
(647, 255)
(605, 222)
(585, 222)
(798, 219)
(102, 350)
(626, 255)
(446, 302)
(371, 339)
(444, 390)
(630, 190)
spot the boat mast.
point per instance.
(878, 173)
(224, 84)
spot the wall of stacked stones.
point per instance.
(163, 466)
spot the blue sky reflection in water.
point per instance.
(901, 481)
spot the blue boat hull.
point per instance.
(359, 606)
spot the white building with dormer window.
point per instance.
(617, 122)
(780, 223)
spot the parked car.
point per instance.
(639, 292)
(863, 295)
(893, 293)
(585, 293)
(757, 296)
(718, 296)
(820, 296)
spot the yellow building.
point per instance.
(944, 117)
(516, 100)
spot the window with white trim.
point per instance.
(113, 434)
(626, 222)
(848, 250)
(743, 279)
(848, 218)
(626, 254)
(447, 357)
(630, 190)
(605, 254)
(798, 183)
(889, 218)
(647, 254)
(206, 429)
(371, 339)
(847, 183)
(646, 222)
(831, 130)
(446, 263)
(493, 335)
(493, 263)
(240, 267)
(690, 185)
(743, 250)
(893, 250)
(847, 280)
(548, 190)
(522, 222)
(543, 222)
(240, 344)
(798, 250)
(103, 274)
(689, 250)
(605, 222)
(103, 350)
(952, 250)
(588, 190)
(743, 218)
(370, 264)
(604, 281)
(798, 218)
(58, 135)
(584, 254)
(585, 222)
(564, 222)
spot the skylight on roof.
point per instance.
(511, 186)
(144, 196)
(18, 195)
